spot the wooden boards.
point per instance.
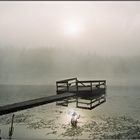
(33, 103)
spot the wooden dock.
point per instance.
(33, 103)
(89, 93)
(84, 92)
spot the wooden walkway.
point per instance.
(33, 103)
(92, 91)
(89, 93)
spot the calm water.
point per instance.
(51, 121)
(16, 93)
(120, 99)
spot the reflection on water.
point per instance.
(117, 118)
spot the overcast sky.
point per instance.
(110, 29)
(102, 27)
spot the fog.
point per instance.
(37, 48)
(46, 65)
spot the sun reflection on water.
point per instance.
(68, 113)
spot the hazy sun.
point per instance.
(72, 28)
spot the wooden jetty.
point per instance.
(33, 103)
(86, 94)
(89, 94)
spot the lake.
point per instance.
(118, 117)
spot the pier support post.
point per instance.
(0, 134)
(90, 103)
(11, 129)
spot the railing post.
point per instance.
(91, 86)
(76, 93)
(67, 86)
(105, 86)
(56, 87)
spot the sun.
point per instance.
(72, 28)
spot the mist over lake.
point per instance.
(19, 65)
(46, 41)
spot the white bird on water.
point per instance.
(74, 118)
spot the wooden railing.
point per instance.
(64, 85)
(91, 84)
(91, 91)
(66, 80)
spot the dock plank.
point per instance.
(33, 103)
